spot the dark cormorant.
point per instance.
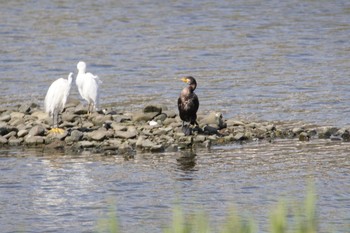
(188, 104)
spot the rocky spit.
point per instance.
(152, 129)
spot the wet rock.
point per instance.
(345, 135)
(210, 130)
(153, 109)
(35, 140)
(4, 131)
(5, 118)
(37, 130)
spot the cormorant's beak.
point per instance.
(184, 79)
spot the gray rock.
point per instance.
(99, 120)
(85, 144)
(153, 109)
(214, 118)
(5, 118)
(130, 133)
(35, 140)
(69, 117)
(10, 134)
(240, 137)
(326, 132)
(210, 129)
(3, 140)
(76, 135)
(18, 115)
(26, 108)
(144, 116)
(37, 130)
(80, 110)
(121, 118)
(161, 117)
(98, 135)
(303, 136)
(15, 141)
(118, 127)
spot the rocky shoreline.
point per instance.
(152, 129)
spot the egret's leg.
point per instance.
(55, 128)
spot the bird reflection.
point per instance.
(187, 160)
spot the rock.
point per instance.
(42, 116)
(144, 116)
(169, 121)
(148, 145)
(3, 140)
(200, 138)
(35, 140)
(304, 137)
(118, 127)
(76, 135)
(10, 134)
(326, 132)
(239, 137)
(4, 131)
(214, 118)
(130, 133)
(18, 115)
(37, 130)
(26, 108)
(210, 130)
(5, 118)
(121, 118)
(99, 120)
(85, 144)
(346, 135)
(80, 110)
(153, 109)
(161, 117)
(233, 122)
(15, 141)
(98, 135)
(69, 117)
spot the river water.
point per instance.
(253, 60)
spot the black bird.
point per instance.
(188, 104)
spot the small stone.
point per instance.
(76, 135)
(15, 141)
(99, 120)
(10, 134)
(35, 140)
(69, 117)
(144, 116)
(153, 109)
(3, 140)
(161, 117)
(18, 115)
(130, 133)
(98, 135)
(233, 122)
(85, 144)
(37, 130)
(239, 137)
(326, 132)
(80, 110)
(304, 137)
(5, 118)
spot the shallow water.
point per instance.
(70, 193)
(275, 60)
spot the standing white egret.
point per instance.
(87, 84)
(56, 99)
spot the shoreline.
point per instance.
(151, 129)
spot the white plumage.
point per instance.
(88, 85)
(56, 97)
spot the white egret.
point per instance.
(56, 99)
(88, 85)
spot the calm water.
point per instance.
(273, 60)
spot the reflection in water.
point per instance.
(187, 160)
